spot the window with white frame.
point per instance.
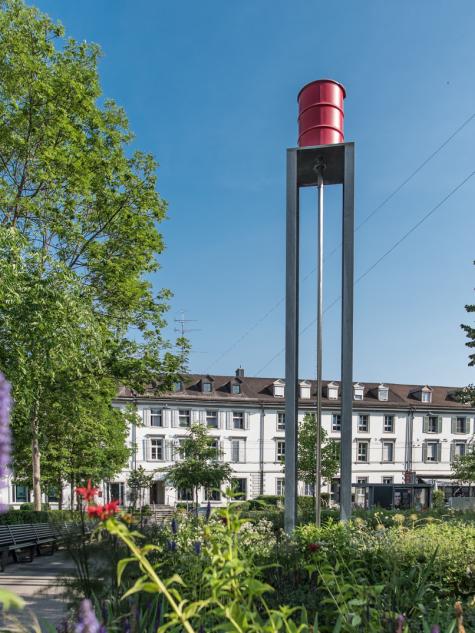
(304, 390)
(238, 420)
(280, 486)
(235, 388)
(281, 421)
(280, 451)
(332, 391)
(184, 417)
(383, 393)
(216, 444)
(179, 444)
(185, 494)
(206, 387)
(212, 419)
(156, 449)
(156, 417)
(426, 395)
(432, 424)
(388, 451)
(21, 494)
(239, 486)
(360, 491)
(461, 425)
(459, 449)
(238, 450)
(336, 422)
(388, 424)
(431, 451)
(358, 391)
(362, 454)
(388, 480)
(278, 388)
(178, 385)
(363, 423)
(212, 494)
(309, 490)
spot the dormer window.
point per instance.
(304, 389)
(426, 394)
(278, 388)
(358, 391)
(178, 385)
(206, 387)
(236, 388)
(332, 391)
(383, 393)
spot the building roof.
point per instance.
(260, 391)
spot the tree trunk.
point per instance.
(60, 495)
(71, 494)
(36, 464)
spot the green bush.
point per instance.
(44, 516)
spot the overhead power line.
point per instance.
(380, 259)
(389, 197)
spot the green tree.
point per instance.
(306, 458)
(200, 464)
(468, 394)
(138, 481)
(463, 468)
(78, 215)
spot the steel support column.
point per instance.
(347, 332)
(291, 341)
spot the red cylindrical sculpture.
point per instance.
(321, 113)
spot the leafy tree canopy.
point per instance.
(306, 457)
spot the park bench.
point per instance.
(30, 538)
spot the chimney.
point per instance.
(240, 373)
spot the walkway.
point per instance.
(35, 583)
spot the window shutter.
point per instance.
(246, 420)
(203, 417)
(242, 451)
(167, 450)
(221, 451)
(454, 425)
(146, 450)
(425, 424)
(166, 417)
(195, 417)
(452, 452)
(146, 417)
(439, 425)
(174, 416)
(229, 420)
(439, 452)
(424, 452)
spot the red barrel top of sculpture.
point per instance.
(321, 113)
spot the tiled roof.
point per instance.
(260, 391)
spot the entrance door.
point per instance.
(157, 493)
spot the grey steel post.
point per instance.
(318, 418)
(347, 332)
(291, 341)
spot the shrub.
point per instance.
(44, 516)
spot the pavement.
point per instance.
(37, 584)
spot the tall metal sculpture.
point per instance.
(322, 158)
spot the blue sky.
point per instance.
(210, 89)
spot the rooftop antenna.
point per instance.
(182, 329)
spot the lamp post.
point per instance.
(321, 158)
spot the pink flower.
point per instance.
(313, 547)
(103, 512)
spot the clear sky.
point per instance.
(210, 89)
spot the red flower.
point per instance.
(313, 547)
(103, 512)
(88, 493)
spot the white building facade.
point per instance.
(397, 430)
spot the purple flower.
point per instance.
(5, 436)
(126, 626)
(197, 547)
(400, 621)
(435, 629)
(87, 622)
(174, 526)
(208, 511)
(172, 546)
